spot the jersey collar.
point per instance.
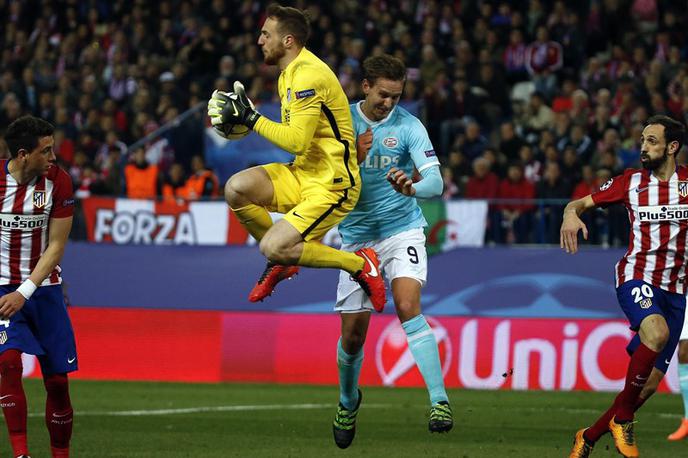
(374, 123)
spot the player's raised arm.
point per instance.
(295, 136)
(572, 223)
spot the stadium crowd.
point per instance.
(528, 99)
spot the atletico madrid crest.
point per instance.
(39, 199)
(683, 188)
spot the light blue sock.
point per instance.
(349, 370)
(421, 342)
(683, 384)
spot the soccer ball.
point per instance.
(232, 131)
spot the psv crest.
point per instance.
(39, 199)
(683, 188)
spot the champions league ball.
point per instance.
(232, 131)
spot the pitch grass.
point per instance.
(488, 424)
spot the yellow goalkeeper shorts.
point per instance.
(308, 206)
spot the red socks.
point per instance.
(639, 369)
(628, 401)
(58, 414)
(13, 400)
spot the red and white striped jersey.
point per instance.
(658, 212)
(25, 212)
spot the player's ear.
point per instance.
(673, 147)
(366, 86)
(287, 41)
(22, 153)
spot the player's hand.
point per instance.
(400, 182)
(568, 235)
(10, 304)
(363, 144)
(232, 108)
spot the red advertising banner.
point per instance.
(140, 344)
(479, 353)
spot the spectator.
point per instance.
(539, 116)
(514, 218)
(174, 185)
(63, 147)
(202, 183)
(543, 58)
(471, 142)
(514, 57)
(509, 142)
(552, 188)
(483, 184)
(451, 189)
(532, 167)
(142, 178)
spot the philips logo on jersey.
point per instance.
(651, 213)
(378, 161)
(22, 222)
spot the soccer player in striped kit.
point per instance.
(650, 278)
(36, 208)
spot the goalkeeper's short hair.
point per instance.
(291, 21)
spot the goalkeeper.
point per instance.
(321, 186)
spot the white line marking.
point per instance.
(259, 407)
(152, 412)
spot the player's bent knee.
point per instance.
(277, 251)
(661, 337)
(683, 352)
(10, 361)
(234, 191)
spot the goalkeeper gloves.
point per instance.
(232, 108)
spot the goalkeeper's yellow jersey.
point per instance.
(316, 124)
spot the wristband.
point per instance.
(27, 289)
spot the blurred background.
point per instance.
(528, 103)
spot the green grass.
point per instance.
(392, 422)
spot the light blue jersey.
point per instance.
(400, 140)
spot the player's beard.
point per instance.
(655, 164)
(273, 57)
